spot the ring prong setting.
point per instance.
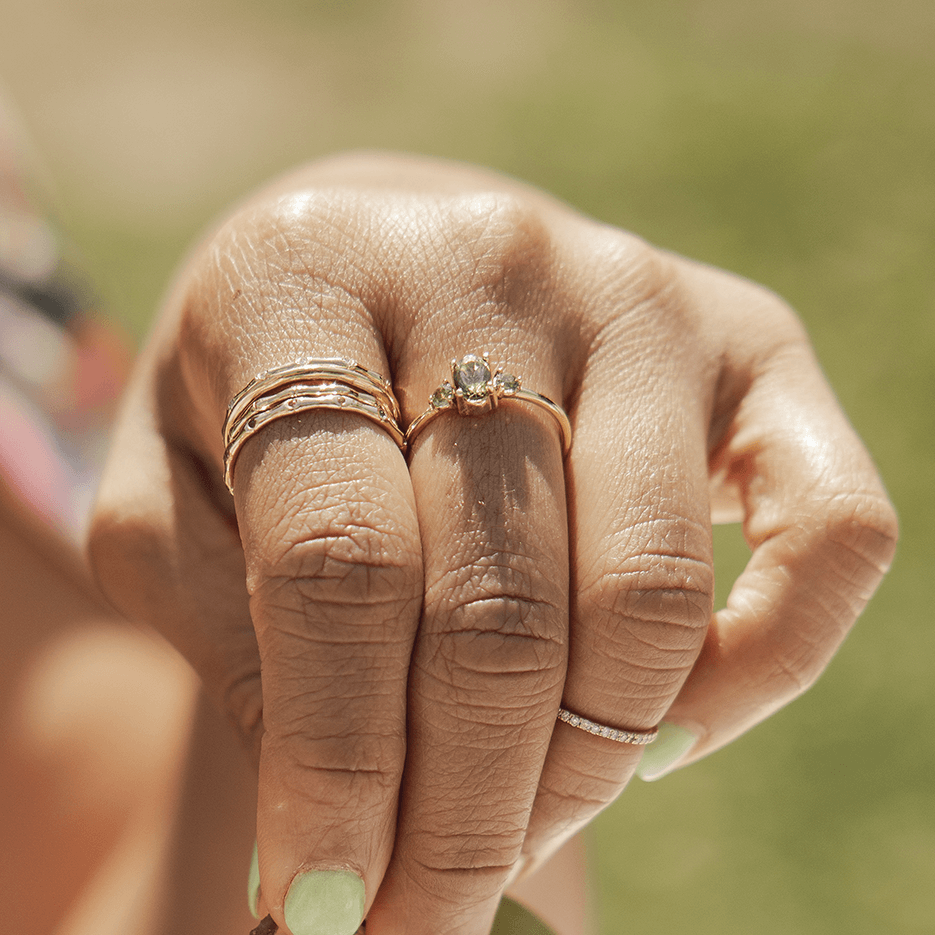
(475, 393)
(473, 390)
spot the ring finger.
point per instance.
(489, 661)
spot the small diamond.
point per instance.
(471, 376)
(574, 720)
(443, 395)
(607, 732)
(506, 382)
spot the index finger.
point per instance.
(334, 576)
(327, 522)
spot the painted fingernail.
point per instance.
(325, 902)
(253, 884)
(664, 753)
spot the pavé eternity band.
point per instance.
(314, 383)
(638, 737)
(473, 390)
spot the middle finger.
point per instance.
(489, 662)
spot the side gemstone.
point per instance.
(443, 396)
(506, 382)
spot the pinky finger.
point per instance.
(823, 534)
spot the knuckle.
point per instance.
(636, 283)
(459, 891)
(242, 701)
(504, 248)
(864, 525)
(664, 599)
(358, 779)
(368, 572)
(364, 761)
(651, 611)
(118, 548)
(492, 646)
(834, 555)
(494, 620)
(104, 549)
(470, 864)
(641, 273)
(796, 667)
(580, 790)
(845, 552)
(794, 663)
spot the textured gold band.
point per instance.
(315, 383)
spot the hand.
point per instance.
(416, 627)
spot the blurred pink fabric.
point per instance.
(61, 372)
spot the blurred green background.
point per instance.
(792, 142)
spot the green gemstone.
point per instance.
(443, 396)
(506, 382)
(471, 376)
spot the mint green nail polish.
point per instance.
(665, 751)
(253, 884)
(325, 902)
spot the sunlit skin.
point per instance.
(419, 622)
(94, 718)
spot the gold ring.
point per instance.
(314, 383)
(638, 737)
(473, 390)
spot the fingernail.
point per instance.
(664, 753)
(325, 902)
(253, 884)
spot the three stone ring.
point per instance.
(473, 390)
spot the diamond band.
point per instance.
(473, 390)
(637, 737)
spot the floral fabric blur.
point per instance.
(61, 367)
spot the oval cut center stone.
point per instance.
(471, 376)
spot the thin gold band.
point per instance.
(637, 737)
(315, 383)
(321, 369)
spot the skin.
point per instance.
(94, 713)
(88, 761)
(393, 639)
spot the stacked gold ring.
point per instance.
(314, 383)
